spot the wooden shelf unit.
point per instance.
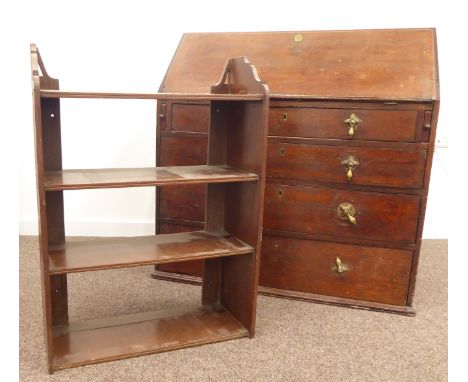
(229, 244)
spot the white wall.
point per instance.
(127, 46)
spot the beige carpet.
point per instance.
(295, 341)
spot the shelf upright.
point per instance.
(51, 226)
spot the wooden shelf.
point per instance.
(184, 96)
(140, 177)
(237, 154)
(109, 253)
(139, 334)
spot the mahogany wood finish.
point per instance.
(239, 106)
(389, 80)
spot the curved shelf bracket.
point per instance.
(39, 71)
(239, 77)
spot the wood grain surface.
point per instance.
(376, 166)
(380, 125)
(141, 177)
(374, 274)
(109, 253)
(377, 64)
(378, 216)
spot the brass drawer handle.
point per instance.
(346, 211)
(339, 267)
(352, 122)
(350, 163)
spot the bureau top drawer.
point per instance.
(355, 124)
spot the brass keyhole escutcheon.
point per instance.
(276, 244)
(339, 267)
(282, 152)
(352, 121)
(282, 120)
(346, 211)
(350, 164)
(280, 193)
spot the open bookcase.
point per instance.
(230, 243)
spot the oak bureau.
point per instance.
(351, 133)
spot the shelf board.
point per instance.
(140, 334)
(121, 252)
(140, 177)
(184, 96)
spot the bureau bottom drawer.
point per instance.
(342, 270)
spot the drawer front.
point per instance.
(380, 125)
(364, 273)
(194, 268)
(190, 117)
(378, 216)
(182, 202)
(349, 165)
(178, 151)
